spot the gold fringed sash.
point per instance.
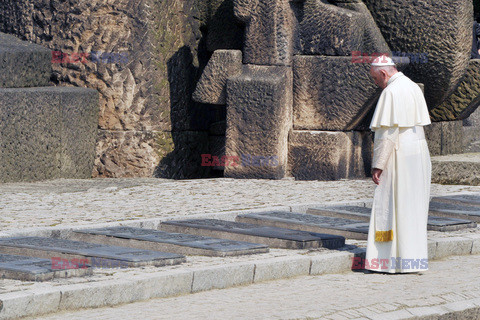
(384, 236)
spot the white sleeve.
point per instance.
(386, 140)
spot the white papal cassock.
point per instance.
(397, 238)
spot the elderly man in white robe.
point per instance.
(401, 169)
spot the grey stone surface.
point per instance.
(348, 228)
(150, 239)
(442, 209)
(407, 27)
(220, 277)
(98, 254)
(462, 169)
(325, 155)
(23, 64)
(269, 31)
(47, 133)
(334, 262)
(331, 93)
(223, 29)
(35, 269)
(454, 245)
(461, 199)
(337, 28)
(258, 120)
(464, 100)
(211, 88)
(271, 236)
(363, 214)
(281, 268)
(445, 137)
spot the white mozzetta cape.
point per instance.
(401, 104)
(397, 238)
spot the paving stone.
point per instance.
(271, 236)
(363, 214)
(348, 228)
(98, 255)
(461, 199)
(35, 269)
(453, 246)
(150, 239)
(442, 209)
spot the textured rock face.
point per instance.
(146, 94)
(47, 133)
(445, 137)
(259, 117)
(327, 155)
(464, 100)
(441, 28)
(331, 93)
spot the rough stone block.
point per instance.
(476, 246)
(221, 277)
(223, 29)
(432, 249)
(281, 268)
(461, 169)
(337, 30)
(269, 31)
(331, 93)
(47, 133)
(211, 88)
(464, 100)
(334, 262)
(23, 64)
(20, 303)
(324, 155)
(258, 121)
(444, 137)
(453, 246)
(407, 27)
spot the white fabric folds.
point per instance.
(401, 104)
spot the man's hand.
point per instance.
(376, 175)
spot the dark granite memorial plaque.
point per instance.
(363, 214)
(461, 199)
(166, 241)
(271, 236)
(444, 209)
(348, 228)
(35, 269)
(99, 255)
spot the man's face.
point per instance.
(379, 77)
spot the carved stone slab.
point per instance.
(461, 199)
(348, 228)
(271, 236)
(34, 269)
(97, 254)
(166, 241)
(362, 213)
(443, 209)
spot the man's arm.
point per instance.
(386, 140)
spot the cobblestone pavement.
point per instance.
(335, 296)
(73, 202)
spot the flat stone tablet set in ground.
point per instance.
(252, 233)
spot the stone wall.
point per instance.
(145, 107)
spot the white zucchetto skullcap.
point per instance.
(383, 61)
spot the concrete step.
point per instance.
(363, 214)
(348, 228)
(70, 254)
(47, 133)
(271, 236)
(35, 269)
(23, 64)
(456, 169)
(180, 243)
